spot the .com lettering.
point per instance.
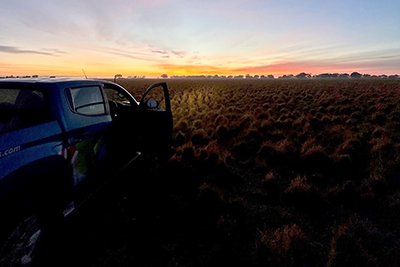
(10, 151)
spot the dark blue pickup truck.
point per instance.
(59, 139)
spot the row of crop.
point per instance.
(295, 172)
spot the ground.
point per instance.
(280, 173)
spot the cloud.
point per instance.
(17, 50)
(129, 54)
(160, 52)
(148, 53)
(179, 53)
(377, 55)
(168, 54)
(54, 51)
(321, 60)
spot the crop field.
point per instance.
(264, 173)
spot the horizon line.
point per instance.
(302, 75)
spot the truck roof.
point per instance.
(47, 80)
(60, 83)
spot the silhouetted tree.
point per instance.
(303, 75)
(117, 76)
(356, 75)
(164, 76)
(290, 76)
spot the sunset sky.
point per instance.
(182, 37)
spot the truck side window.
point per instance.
(113, 95)
(20, 108)
(88, 101)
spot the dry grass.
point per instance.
(311, 165)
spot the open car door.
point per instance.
(139, 128)
(155, 121)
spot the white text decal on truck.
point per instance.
(10, 151)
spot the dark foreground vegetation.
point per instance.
(264, 173)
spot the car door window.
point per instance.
(87, 101)
(22, 107)
(114, 95)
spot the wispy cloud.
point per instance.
(17, 50)
(320, 60)
(54, 51)
(373, 55)
(159, 52)
(137, 55)
(180, 54)
(147, 53)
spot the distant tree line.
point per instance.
(354, 75)
(24, 76)
(248, 76)
(302, 75)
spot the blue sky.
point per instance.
(199, 37)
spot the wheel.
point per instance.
(21, 247)
(32, 218)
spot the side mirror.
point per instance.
(152, 103)
(164, 86)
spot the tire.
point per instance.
(32, 218)
(22, 245)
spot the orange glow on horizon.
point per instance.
(107, 65)
(171, 70)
